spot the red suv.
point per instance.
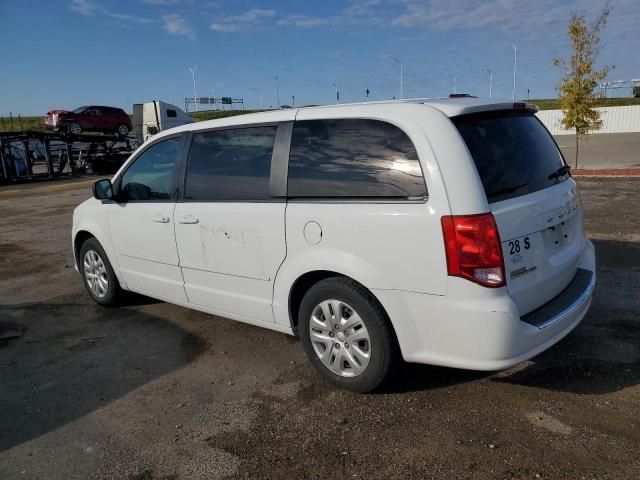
(89, 118)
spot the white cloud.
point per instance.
(176, 25)
(89, 8)
(235, 23)
(160, 2)
(369, 13)
(501, 14)
(83, 7)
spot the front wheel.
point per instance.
(347, 336)
(123, 130)
(75, 128)
(99, 278)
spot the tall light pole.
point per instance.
(193, 74)
(486, 69)
(277, 93)
(259, 92)
(515, 66)
(401, 62)
(455, 84)
(337, 92)
(213, 94)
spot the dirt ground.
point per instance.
(155, 391)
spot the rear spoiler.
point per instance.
(493, 107)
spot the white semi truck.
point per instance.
(155, 116)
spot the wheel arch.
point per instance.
(304, 282)
(80, 237)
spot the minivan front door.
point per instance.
(229, 229)
(141, 222)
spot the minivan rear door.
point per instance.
(533, 199)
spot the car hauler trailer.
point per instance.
(31, 155)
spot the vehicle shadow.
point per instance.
(66, 360)
(601, 355)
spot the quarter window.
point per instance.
(152, 175)
(229, 165)
(353, 158)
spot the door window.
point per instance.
(152, 175)
(230, 165)
(353, 158)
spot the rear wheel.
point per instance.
(347, 335)
(99, 278)
(75, 128)
(122, 130)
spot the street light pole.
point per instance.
(455, 83)
(515, 65)
(401, 62)
(193, 74)
(277, 93)
(490, 81)
(213, 94)
(259, 92)
(337, 92)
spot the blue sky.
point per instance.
(66, 53)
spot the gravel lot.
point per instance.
(155, 391)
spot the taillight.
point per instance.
(472, 245)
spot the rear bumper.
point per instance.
(480, 329)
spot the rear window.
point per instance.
(513, 152)
(353, 158)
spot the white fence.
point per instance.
(614, 120)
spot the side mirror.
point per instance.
(102, 189)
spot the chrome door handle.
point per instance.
(160, 218)
(188, 219)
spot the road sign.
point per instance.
(226, 100)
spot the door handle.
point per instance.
(188, 219)
(160, 218)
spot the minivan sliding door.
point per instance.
(229, 226)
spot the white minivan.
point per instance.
(446, 232)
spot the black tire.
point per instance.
(74, 128)
(113, 291)
(122, 130)
(384, 351)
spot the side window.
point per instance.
(152, 176)
(227, 165)
(353, 158)
(171, 113)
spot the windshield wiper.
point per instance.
(504, 191)
(562, 171)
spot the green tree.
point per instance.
(580, 79)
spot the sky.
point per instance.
(68, 53)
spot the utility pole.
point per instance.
(490, 81)
(193, 74)
(455, 81)
(259, 92)
(515, 65)
(293, 101)
(277, 93)
(337, 92)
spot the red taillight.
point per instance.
(472, 245)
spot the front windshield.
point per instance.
(79, 110)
